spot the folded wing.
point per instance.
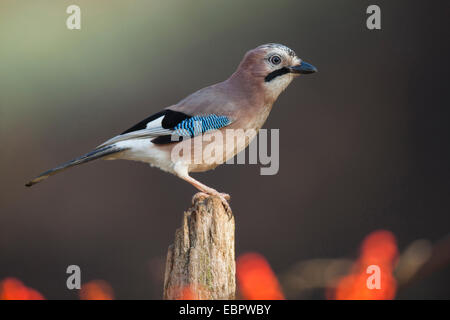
(163, 126)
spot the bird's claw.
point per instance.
(224, 197)
(199, 196)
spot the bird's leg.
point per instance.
(205, 191)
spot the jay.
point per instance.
(242, 102)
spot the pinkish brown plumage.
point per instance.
(242, 103)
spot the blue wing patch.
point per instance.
(163, 126)
(200, 124)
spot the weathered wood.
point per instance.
(201, 263)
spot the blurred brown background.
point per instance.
(364, 142)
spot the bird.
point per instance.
(241, 103)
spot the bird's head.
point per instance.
(274, 66)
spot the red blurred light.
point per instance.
(256, 278)
(188, 294)
(14, 289)
(96, 290)
(378, 248)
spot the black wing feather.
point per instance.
(170, 120)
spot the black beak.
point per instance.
(303, 68)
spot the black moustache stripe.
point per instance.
(276, 73)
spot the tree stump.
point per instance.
(201, 263)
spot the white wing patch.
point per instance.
(153, 129)
(155, 124)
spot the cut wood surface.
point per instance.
(201, 262)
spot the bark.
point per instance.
(201, 263)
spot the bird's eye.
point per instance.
(275, 59)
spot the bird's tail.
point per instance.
(93, 155)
